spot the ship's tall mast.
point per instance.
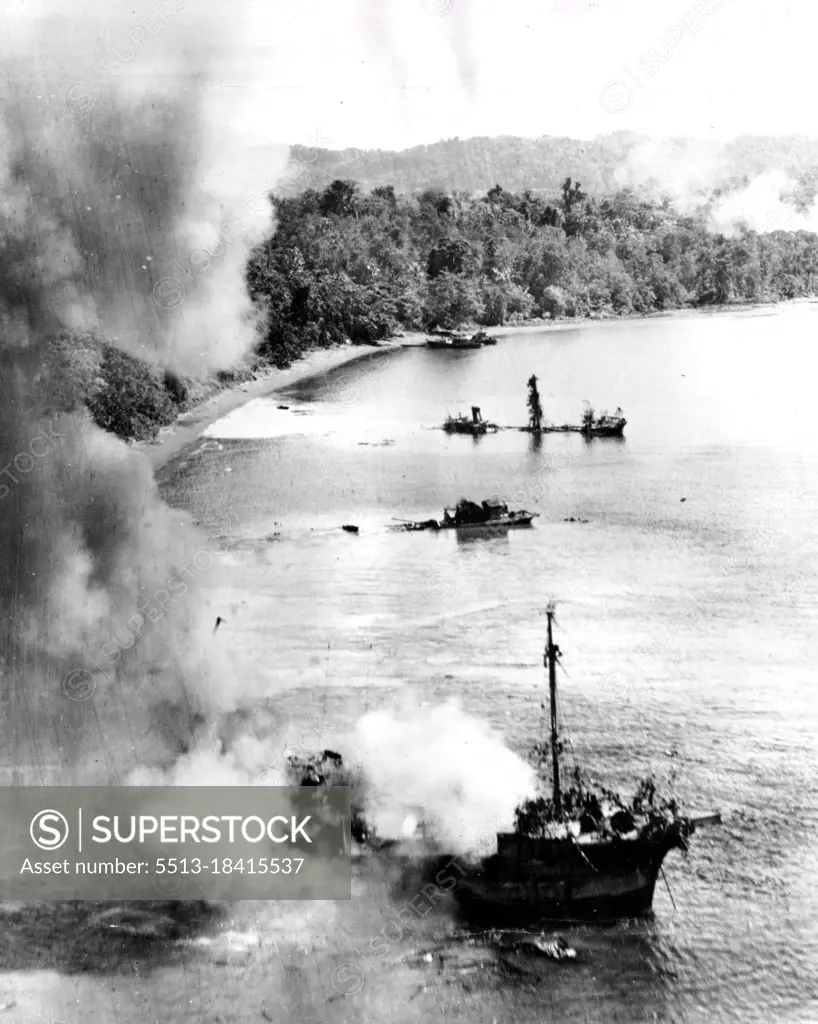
(551, 655)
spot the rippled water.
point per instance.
(686, 606)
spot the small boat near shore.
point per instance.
(484, 339)
(456, 342)
(451, 340)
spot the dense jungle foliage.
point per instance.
(348, 265)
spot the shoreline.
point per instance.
(173, 440)
(566, 323)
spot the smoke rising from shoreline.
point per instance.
(766, 204)
(686, 171)
(699, 179)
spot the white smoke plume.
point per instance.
(766, 204)
(699, 178)
(684, 170)
(442, 767)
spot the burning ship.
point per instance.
(578, 854)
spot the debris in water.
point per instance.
(556, 950)
(137, 923)
(328, 769)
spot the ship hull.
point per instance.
(607, 428)
(530, 879)
(476, 430)
(617, 431)
(509, 905)
(453, 346)
(500, 523)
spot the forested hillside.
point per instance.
(344, 263)
(347, 264)
(603, 164)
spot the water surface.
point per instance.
(686, 604)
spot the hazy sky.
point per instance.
(395, 73)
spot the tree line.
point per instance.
(345, 264)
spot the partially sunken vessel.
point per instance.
(578, 854)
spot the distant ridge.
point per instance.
(542, 164)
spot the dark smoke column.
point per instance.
(119, 219)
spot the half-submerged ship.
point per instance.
(476, 425)
(467, 517)
(592, 425)
(603, 425)
(578, 854)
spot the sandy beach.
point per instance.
(172, 440)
